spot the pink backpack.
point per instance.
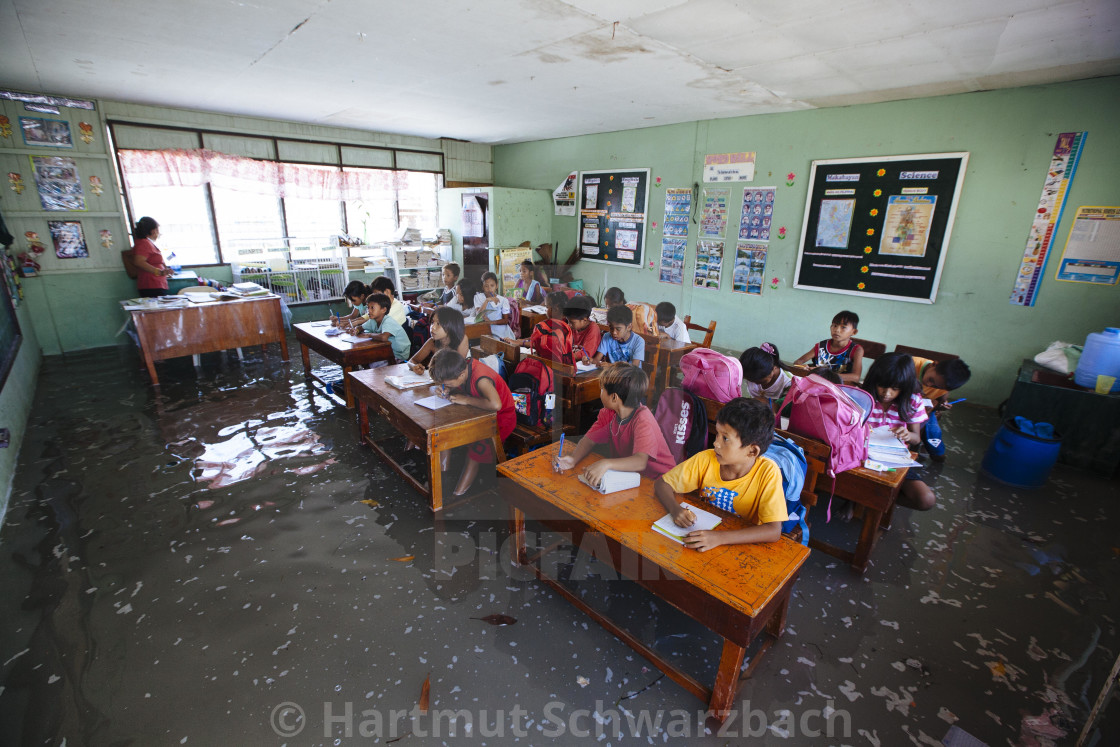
(712, 375)
(821, 410)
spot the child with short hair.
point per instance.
(468, 299)
(766, 376)
(635, 438)
(839, 353)
(495, 308)
(732, 476)
(552, 327)
(472, 382)
(445, 295)
(622, 344)
(894, 386)
(447, 331)
(938, 378)
(383, 327)
(614, 297)
(669, 326)
(382, 284)
(586, 334)
(529, 286)
(355, 294)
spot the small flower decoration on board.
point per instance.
(659, 181)
(871, 232)
(861, 286)
(865, 269)
(874, 212)
(878, 193)
(87, 132)
(789, 179)
(867, 250)
(880, 172)
(651, 264)
(95, 185)
(774, 282)
(782, 232)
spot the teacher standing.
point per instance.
(151, 272)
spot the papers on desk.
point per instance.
(537, 309)
(614, 481)
(526, 351)
(434, 402)
(582, 367)
(704, 520)
(198, 297)
(410, 380)
(885, 451)
(353, 338)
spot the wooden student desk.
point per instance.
(313, 336)
(433, 431)
(737, 591)
(192, 328)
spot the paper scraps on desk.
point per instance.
(704, 520)
(434, 402)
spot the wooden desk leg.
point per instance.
(776, 625)
(868, 536)
(499, 449)
(283, 345)
(306, 355)
(363, 421)
(435, 478)
(346, 386)
(517, 536)
(727, 679)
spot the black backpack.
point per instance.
(529, 384)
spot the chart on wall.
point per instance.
(880, 226)
(613, 208)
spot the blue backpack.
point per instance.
(790, 458)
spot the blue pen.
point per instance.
(962, 399)
(561, 454)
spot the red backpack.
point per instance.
(683, 422)
(712, 375)
(552, 339)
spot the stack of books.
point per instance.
(246, 290)
(410, 283)
(355, 263)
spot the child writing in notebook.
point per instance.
(938, 378)
(468, 299)
(586, 334)
(622, 344)
(355, 294)
(732, 475)
(898, 406)
(495, 309)
(766, 376)
(839, 353)
(448, 332)
(384, 285)
(553, 326)
(383, 327)
(669, 325)
(472, 382)
(635, 438)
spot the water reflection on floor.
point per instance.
(174, 567)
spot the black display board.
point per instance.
(612, 216)
(880, 226)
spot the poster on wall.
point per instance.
(69, 241)
(509, 263)
(729, 167)
(713, 218)
(1044, 226)
(678, 210)
(46, 133)
(612, 216)
(564, 196)
(758, 211)
(709, 264)
(60, 187)
(1092, 253)
(750, 267)
(672, 260)
(880, 226)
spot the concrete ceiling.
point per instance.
(497, 71)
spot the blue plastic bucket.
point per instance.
(1020, 459)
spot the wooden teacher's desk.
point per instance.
(432, 431)
(737, 591)
(186, 328)
(313, 336)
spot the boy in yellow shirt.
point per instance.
(733, 476)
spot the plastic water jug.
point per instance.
(1101, 357)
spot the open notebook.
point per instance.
(410, 380)
(704, 520)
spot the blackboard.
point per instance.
(880, 226)
(612, 216)
(10, 335)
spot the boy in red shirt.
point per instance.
(637, 444)
(585, 333)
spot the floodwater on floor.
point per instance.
(222, 563)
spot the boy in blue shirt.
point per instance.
(383, 327)
(621, 345)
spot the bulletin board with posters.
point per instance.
(880, 226)
(613, 211)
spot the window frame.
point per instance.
(275, 141)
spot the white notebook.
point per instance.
(435, 402)
(582, 367)
(704, 520)
(410, 380)
(614, 481)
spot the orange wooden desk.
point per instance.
(433, 431)
(876, 492)
(737, 591)
(170, 332)
(313, 336)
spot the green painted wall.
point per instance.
(15, 401)
(1010, 135)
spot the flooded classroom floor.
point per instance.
(222, 563)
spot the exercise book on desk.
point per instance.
(582, 367)
(410, 380)
(614, 481)
(434, 402)
(704, 520)
(884, 450)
